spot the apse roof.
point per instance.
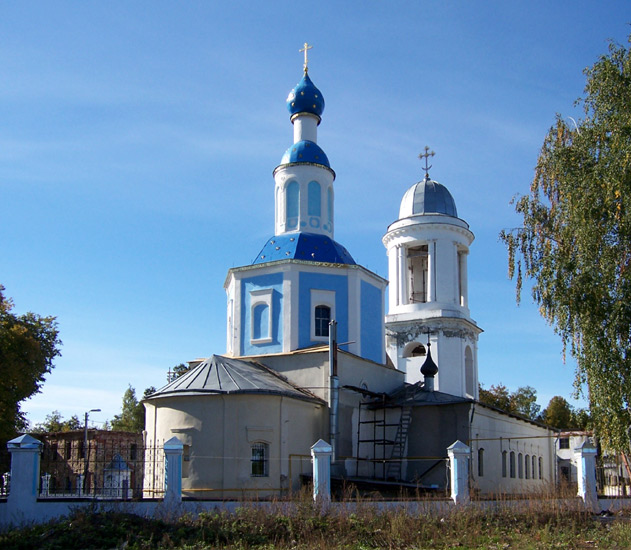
(304, 246)
(225, 375)
(427, 197)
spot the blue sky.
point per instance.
(138, 139)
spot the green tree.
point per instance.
(581, 419)
(54, 422)
(132, 417)
(558, 413)
(28, 345)
(524, 402)
(575, 242)
(496, 396)
(179, 370)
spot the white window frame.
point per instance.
(261, 297)
(321, 298)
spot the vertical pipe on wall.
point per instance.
(334, 390)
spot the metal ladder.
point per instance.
(398, 446)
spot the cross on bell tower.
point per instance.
(426, 156)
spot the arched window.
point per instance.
(504, 453)
(512, 464)
(322, 319)
(468, 369)
(534, 467)
(329, 200)
(414, 349)
(480, 462)
(315, 199)
(260, 460)
(527, 466)
(540, 468)
(418, 276)
(292, 203)
(520, 465)
(260, 322)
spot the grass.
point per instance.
(536, 524)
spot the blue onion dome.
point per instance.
(305, 151)
(427, 197)
(305, 98)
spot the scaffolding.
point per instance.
(387, 453)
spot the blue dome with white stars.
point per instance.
(309, 247)
(305, 98)
(305, 151)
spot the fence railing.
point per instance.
(612, 476)
(104, 469)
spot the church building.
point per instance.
(312, 354)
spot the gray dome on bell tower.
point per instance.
(427, 197)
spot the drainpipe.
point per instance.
(334, 391)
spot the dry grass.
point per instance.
(356, 525)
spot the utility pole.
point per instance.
(86, 452)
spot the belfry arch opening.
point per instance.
(418, 273)
(414, 349)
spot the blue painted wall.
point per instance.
(317, 281)
(275, 282)
(372, 340)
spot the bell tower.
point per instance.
(427, 251)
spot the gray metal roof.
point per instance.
(427, 197)
(225, 375)
(414, 395)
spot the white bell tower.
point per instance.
(428, 296)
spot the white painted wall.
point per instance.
(496, 432)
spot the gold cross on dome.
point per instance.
(426, 156)
(306, 49)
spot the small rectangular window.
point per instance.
(322, 320)
(564, 443)
(186, 460)
(259, 460)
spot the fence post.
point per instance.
(46, 485)
(173, 451)
(321, 453)
(6, 482)
(459, 454)
(80, 485)
(586, 473)
(25, 454)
